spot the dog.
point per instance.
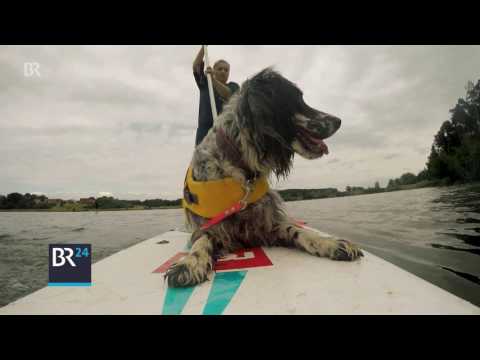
(256, 136)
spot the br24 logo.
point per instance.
(62, 255)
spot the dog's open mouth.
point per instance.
(311, 142)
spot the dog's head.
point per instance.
(279, 123)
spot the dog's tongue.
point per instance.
(319, 142)
(323, 147)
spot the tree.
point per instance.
(422, 175)
(408, 179)
(455, 152)
(14, 200)
(391, 184)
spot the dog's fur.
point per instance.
(268, 121)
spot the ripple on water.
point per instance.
(468, 220)
(40, 238)
(467, 276)
(473, 240)
(447, 247)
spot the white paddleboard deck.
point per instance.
(260, 281)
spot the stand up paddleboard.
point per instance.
(252, 281)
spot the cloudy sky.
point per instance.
(121, 120)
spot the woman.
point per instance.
(221, 89)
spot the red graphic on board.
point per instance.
(240, 259)
(164, 267)
(300, 223)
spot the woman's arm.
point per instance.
(222, 89)
(198, 60)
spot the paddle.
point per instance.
(210, 86)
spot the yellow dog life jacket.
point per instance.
(215, 196)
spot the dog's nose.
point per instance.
(330, 123)
(336, 123)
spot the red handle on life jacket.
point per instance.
(224, 214)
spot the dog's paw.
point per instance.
(187, 272)
(346, 251)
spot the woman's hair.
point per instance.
(220, 61)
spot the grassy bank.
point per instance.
(83, 209)
(312, 194)
(288, 195)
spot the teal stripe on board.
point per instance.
(176, 299)
(224, 286)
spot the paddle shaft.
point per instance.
(210, 86)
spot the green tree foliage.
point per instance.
(161, 202)
(109, 202)
(455, 153)
(408, 179)
(301, 194)
(112, 203)
(27, 201)
(422, 175)
(3, 201)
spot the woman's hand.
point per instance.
(221, 89)
(210, 71)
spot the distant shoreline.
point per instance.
(299, 197)
(88, 210)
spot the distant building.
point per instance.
(87, 201)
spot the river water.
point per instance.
(433, 233)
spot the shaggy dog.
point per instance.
(256, 135)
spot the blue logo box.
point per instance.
(69, 265)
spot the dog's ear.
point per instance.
(254, 110)
(256, 100)
(266, 117)
(247, 119)
(249, 110)
(244, 109)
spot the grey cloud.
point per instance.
(112, 92)
(391, 156)
(170, 129)
(141, 127)
(423, 150)
(357, 137)
(10, 75)
(57, 131)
